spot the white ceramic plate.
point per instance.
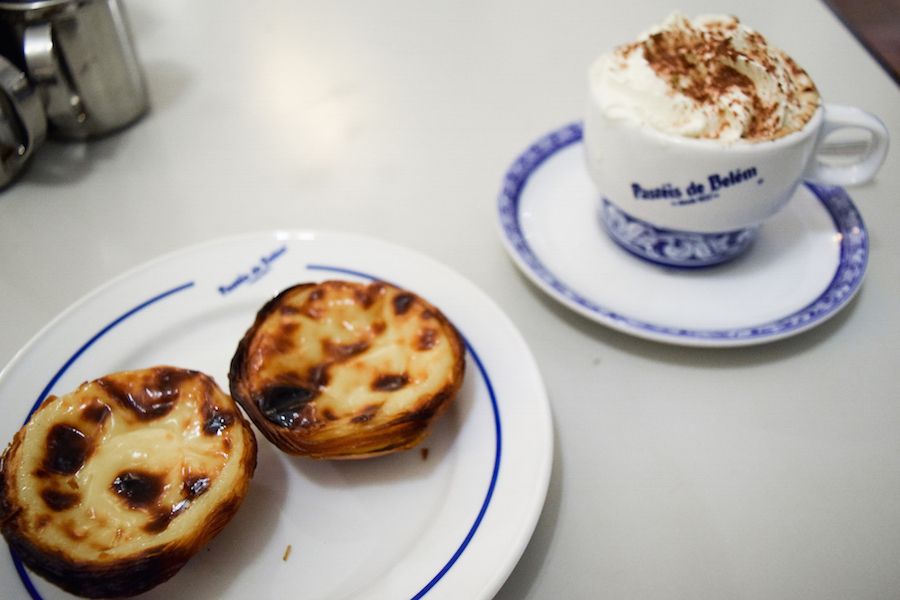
(450, 524)
(806, 265)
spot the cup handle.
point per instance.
(24, 125)
(864, 169)
(62, 100)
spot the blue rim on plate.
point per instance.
(24, 576)
(847, 279)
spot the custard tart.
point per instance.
(109, 490)
(346, 370)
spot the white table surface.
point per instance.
(765, 472)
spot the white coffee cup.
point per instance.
(705, 196)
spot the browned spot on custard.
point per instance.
(329, 414)
(427, 315)
(69, 529)
(282, 340)
(42, 521)
(378, 327)
(67, 449)
(317, 376)
(288, 310)
(95, 412)
(402, 302)
(284, 404)
(362, 298)
(215, 418)
(390, 383)
(366, 414)
(340, 352)
(368, 295)
(427, 339)
(139, 489)
(218, 421)
(313, 312)
(310, 307)
(159, 522)
(59, 501)
(194, 486)
(226, 444)
(151, 399)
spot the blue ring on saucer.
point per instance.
(847, 279)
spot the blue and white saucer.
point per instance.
(806, 264)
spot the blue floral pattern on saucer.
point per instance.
(847, 279)
(671, 248)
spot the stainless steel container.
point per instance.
(80, 57)
(23, 124)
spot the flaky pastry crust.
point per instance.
(347, 370)
(109, 490)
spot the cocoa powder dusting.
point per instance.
(703, 64)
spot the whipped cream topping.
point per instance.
(712, 78)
